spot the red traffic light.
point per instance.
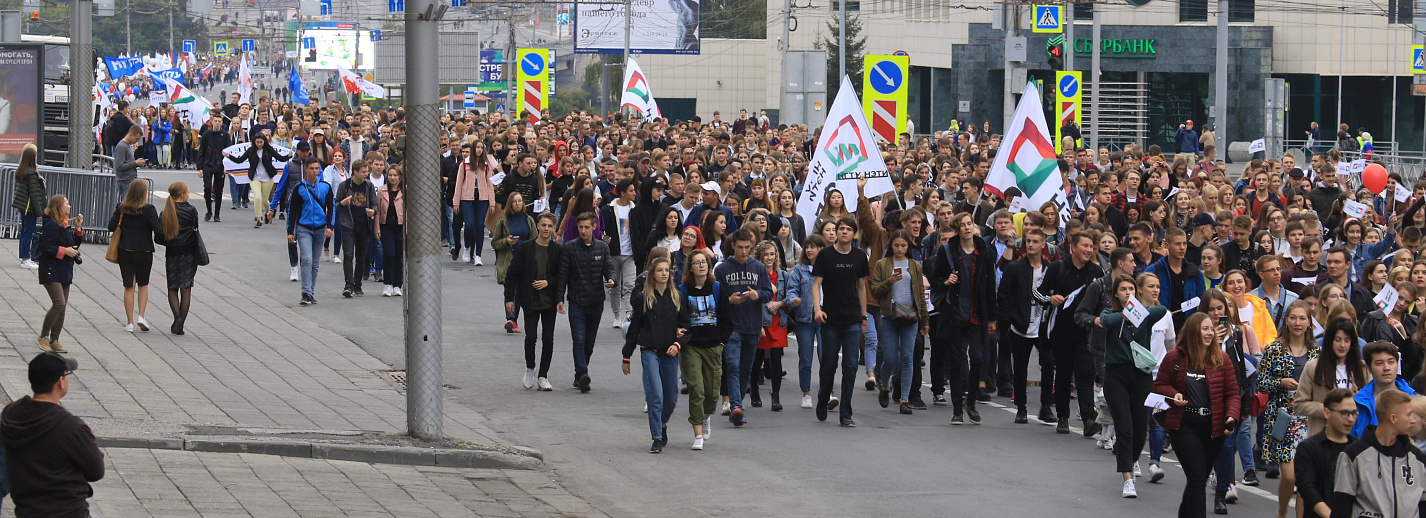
(1056, 51)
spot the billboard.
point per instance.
(340, 48)
(492, 70)
(657, 27)
(20, 101)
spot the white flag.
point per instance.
(356, 84)
(1027, 159)
(637, 92)
(192, 107)
(245, 81)
(845, 152)
(1258, 145)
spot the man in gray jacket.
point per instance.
(586, 270)
(126, 167)
(1377, 475)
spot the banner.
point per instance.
(120, 68)
(656, 27)
(171, 74)
(1027, 161)
(1067, 104)
(298, 88)
(21, 100)
(492, 70)
(884, 92)
(239, 170)
(355, 84)
(192, 107)
(245, 81)
(532, 80)
(845, 153)
(637, 92)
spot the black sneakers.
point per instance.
(848, 423)
(583, 383)
(1021, 416)
(939, 400)
(1047, 416)
(1091, 427)
(958, 419)
(972, 414)
(1250, 478)
(1062, 427)
(821, 409)
(883, 398)
(905, 408)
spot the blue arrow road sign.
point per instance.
(1069, 86)
(376, 35)
(190, 46)
(248, 46)
(886, 77)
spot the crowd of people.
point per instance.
(1248, 324)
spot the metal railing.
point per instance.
(93, 194)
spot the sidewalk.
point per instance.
(248, 366)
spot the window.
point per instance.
(1192, 11)
(1240, 10)
(1399, 11)
(1083, 10)
(852, 5)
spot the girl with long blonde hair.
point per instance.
(179, 237)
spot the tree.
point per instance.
(567, 101)
(734, 19)
(856, 48)
(149, 22)
(595, 72)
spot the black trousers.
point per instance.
(940, 349)
(1125, 388)
(1196, 449)
(213, 183)
(1002, 356)
(965, 362)
(1022, 346)
(1074, 364)
(354, 243)
(547, 338)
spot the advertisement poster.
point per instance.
(20, 99)
(656, 27)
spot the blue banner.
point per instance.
(173, 74)
(299, 89)
(120, 68)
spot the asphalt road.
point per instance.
(782, 464)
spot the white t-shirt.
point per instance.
(621, 214)
(1342, 379)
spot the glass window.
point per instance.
(1193, 10)
(1240, 10)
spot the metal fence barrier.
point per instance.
(90, 193)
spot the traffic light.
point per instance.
(311, 55)
(1055, 47)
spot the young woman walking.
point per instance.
(656, 327)
(514, 227)
(1201, 389)
(702, 363)
(138, 223)
(58, 253)
(767, 361)
(1125, 384)
(391, 230)
(179, 222)
(30, 201)
(897, 285)
(473, 194)
(530, 285)
(1284, 361)
(804, 327)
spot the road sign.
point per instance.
(1068, 96)
(1049, 18)
(395, 6)
(190, 46)
(376, 35)
(326, 8)
(249, 46)
(499, 108)
(220, 48)
(900, 53)
(309, 42)
(469, 97)
(884, 94)
(533, 80)
(1418, 59)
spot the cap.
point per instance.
(318, 131)
(712, 186)
(47, 368)
(1190, 121)
(1204, 218)
(1296, 173)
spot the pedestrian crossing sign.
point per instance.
(1418, 59)
(1049, 18)
(220, 48)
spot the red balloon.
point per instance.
(1374, 178)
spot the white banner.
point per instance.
(657, 27)
(356, 84)
(239, 170)
(1027, 159)
(245, 81)
(1258, 145)
(192, 107)
(637, 92)
(1354, 209)
(846, 152)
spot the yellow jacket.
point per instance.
(1261, 321)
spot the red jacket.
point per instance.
(1225, 402)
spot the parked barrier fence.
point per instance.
(90, 193)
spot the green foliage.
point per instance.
(595, 72)
(856, 51)
(568, 101)
(149, 23)
(734, 19)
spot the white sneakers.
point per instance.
(476, 261)
(337, 259)
(296, 276)
(143, 324)
(29, 265)
(1137, 473)
(529, 379)
(1129, 491)
(726, 408)
(806, 401)
(396, 291)
(545, 385)
(1155, 473)
(707, 427)
(129, 327)
(386, 292)
(698, 442)
(464, 255)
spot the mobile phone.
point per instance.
(1223, 320)
(896, 270)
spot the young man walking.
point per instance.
(311, 222)
(1379, 475)
(1315, 463)
(747, 288)
(586, 270)
(528, 285)
(1073, 362)
(52, 454)
(619, 235)
(839, 297)
(356, 207)
(965, 269)
(1024, 312)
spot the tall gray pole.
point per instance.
(786, 44)
(128, 27)
(1341, 66)
(1094, 81)
(171, 53)
(841, 41)
(81, 73)
(1069, 36)
(512, 103)
(1007, 14)
(1220, 81)
(423, 234)
(628, 25)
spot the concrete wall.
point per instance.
(731, 62)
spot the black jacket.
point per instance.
(1063, 279)
(651, 239)
(210, 150)
(52, 458)
(657, 328)
(641, 219)
(1017, 295)
(1316, 465)
(1375, 327)
(522, 272)
(946, 262)
(185, 242)
(1232, 255)
(55, 267)
(140, 230)
(583, 270)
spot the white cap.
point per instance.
(712, 186)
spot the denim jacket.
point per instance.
(799, 285)
(782, 295)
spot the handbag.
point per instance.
(1281, 423)
(903, 312)
(200, 249)
(112, 254)
(1143, 358)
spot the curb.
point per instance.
(521, 459)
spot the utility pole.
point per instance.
(1341, 64)
(1220, 81)
(423, 235)
(841, 40)
(1069, 37)
(512, 106)
(171, 53)
(1008, 19)
(128, 27)
(628, 24)
(1094, 81)
(81, 101)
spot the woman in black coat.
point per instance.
(139, 222)
(179, 235)
(58, 253)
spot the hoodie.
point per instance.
(52, 457)
(735, 277)
(1366, 407)
(1379, 481)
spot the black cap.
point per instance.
(1204, 218)
(1296, 173)
(47, 368)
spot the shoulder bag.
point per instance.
(112, 254)
(200, 249)
(1143, 358)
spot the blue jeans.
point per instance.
(27, 237)
(871, 343)
(374, 251)
(1239, 442)
(309, 244)
(473, 212)
(806, 341)
(660, 389)
(899, 348)
(583, 327)
(845, 340)
(738, 366)
(1156, 441)
(446, 223)
(123, 187)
